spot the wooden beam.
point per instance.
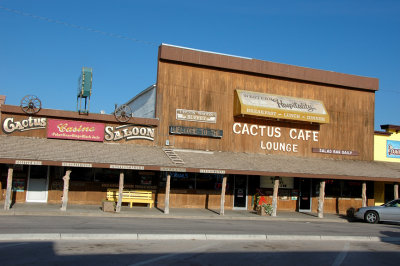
(275, 196)
(66, 179)
(364, 194)
(396, 190)
(223, 190)
(120, 191)
(7, 202)
(167, 189)
(321, 199)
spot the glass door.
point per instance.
(240, 192)
(305, 195)
(37, 184)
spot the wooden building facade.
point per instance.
(227, 132)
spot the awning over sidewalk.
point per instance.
(279, 165)
(36, 151)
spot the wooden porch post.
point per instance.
(223, 190)
(364, 194)
(167, 189)
(120, 191)
(275, 196)
(7, 202)
(321, 199)
(65, 190)
(396, 190)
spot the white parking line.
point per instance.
(172, 255)
(342, 255)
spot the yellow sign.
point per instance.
(279, 107)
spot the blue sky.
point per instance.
(44, 44)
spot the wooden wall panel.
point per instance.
(196, 88)
(194, 200)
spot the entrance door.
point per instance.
(305, 195)
(389, 192)
(240, 192)
(37, 184)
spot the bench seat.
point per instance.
(131, 196)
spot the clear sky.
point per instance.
(45, 43)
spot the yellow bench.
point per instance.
(131, 196)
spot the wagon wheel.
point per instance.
(31, 104)
(123, 113)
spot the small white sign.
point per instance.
(196, 116)
(89, 165)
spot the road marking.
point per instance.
(172, 255)
(342, 255)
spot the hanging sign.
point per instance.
(75, 130)
(279, 107)
(392, 149)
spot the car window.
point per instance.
(394, 203)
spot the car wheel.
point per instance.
(371, 217)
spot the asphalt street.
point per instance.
(199, 253)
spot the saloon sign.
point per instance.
(128, 132)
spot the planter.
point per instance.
(108, 206)
(261, 211)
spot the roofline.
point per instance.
(191, 56)
(390, 127)
(141, 93)
(64, 115)
(382, 133)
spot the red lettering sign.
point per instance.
(76, 130)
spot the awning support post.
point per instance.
(364, 194)
(120, 191)
(7, 202)
(321, 199)
(167, 189)
(275, 196)
(66, 179)
(396, 190)
(223, 190)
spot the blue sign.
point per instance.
(392, 149)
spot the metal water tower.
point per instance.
(84, 90)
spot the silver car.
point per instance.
(387, 212)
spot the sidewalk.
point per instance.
(43, 209)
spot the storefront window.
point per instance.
(210, 182)
(81, 174)
(182, 180)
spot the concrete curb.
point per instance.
(172, 237)
(216, 237)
